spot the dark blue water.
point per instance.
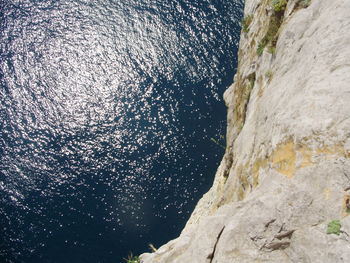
(107, 110)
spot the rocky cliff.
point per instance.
(282, 190)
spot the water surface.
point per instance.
(107, 112)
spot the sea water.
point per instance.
(107, 114)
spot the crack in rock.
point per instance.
(211, 255)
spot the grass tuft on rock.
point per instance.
(269, 75)
(272, 50)
(260, 49)
(279, 5)
(246, 21)
(271, 36)
(132, 259)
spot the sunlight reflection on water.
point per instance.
(107, 112)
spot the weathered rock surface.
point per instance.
(286, 171)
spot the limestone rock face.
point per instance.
(286, 171)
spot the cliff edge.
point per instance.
(282, 190)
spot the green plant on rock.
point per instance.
(251, 79)
(269, 75)
(279, 5)
(271, 35)
(246, 23)
(271, 50)
(261, 47)
(132, 259)
(272, 31)
(333, 227)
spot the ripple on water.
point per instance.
(107, 110)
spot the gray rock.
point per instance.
(286, 171)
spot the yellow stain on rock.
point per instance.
(306, 153)
(337, 149)
(284, 159)
(242, 173)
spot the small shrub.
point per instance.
(270, 36)
(272, 31)
(132, 259)
(334, 227)
(279, 5)
(246, 23)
